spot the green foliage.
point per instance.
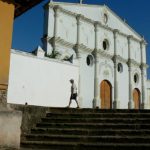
(54, 54)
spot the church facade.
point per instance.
(109, 60)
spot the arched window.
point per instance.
(105, 44)
(105, 18)
(120, 67)
(90, 60)
(136, 78)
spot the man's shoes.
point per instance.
(78, 107)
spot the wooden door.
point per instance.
(106, 98)
(136, 98)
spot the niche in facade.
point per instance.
(105, 18)
(90, 60)
(136, 78)
(120, 67)
(105, 44)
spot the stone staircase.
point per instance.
(90, 129)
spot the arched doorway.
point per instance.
(106, 94)
(136, 98)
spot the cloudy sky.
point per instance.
(28, 28)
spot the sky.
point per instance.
(28, 28)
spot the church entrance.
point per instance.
(136, 98)
(106, 94)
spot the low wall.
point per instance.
(40, 81)
(30, 116)
(10, 123)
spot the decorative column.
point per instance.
(130, 103)
(143, 74)
(78, 54)
(96, 100)
(56, 13)
(116, 103)
(46, 38)
(78, 17)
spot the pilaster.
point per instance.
(143, 70)
(130, 103)
(56, 15)
(96, 100)
(78, 54)
(78, 18)
(116, 103)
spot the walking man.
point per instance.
(73, 93)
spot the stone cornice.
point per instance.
(144, 65)
(131, 37)
(59, 41)
(62, 42)
(84, 48)
(118, 58)
(88, 20)
(66, 12)
(104, 54)
(121, 59)
(135, 63)
(81, 47)
(132, 62)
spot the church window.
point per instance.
(105, 44)
(89, 60)
(136, 78)
(120, 67)
(105, 18)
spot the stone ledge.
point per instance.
(7, 148)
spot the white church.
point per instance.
(107, 61)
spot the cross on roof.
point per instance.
(81, 1)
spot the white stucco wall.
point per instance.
(40, 81)
(87, 81)
(67, 28)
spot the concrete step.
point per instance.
(82, 146)
(98, 115)
(90, 129)
(90, 132)
(96, 120)
(94, 125)
(89, 110)
(88, 139)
